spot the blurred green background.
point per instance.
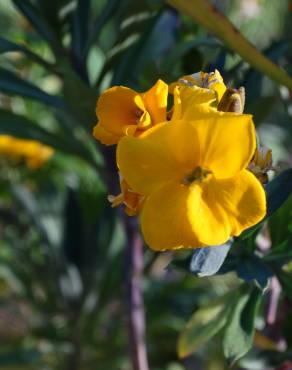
(62, 248)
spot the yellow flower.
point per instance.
(33, 152)
(132, 200)
(193, 175)
(122, 111)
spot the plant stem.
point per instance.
(135, 298)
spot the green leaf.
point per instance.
(280, 254)
(12, 84)
(39, 23)
(214, 21)
(239, 332)
(286, 282)
(278, 190)
(253, 268)
(203, 325)
(79, 98)
(80, 28)
(8, 46)
(107, 12)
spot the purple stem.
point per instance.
(135, 297)
(274, 300)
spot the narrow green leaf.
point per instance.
(278, 190)
(80, 28)
(39, 23)
(106, 13)
(12, 84)
(79, 98)
(214, 21)
(203, 325)
(8, 46)
(239, 332)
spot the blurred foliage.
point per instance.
(62, 263)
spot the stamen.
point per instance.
(199, 174)
(138, 113)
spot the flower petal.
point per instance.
(227, 142)
(191, 101)
(117, 107)
(243, 200)
(208, 213)
(155, 101)
(166, 152)
(178, 216)
(104, 136)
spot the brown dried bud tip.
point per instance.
(232, 101)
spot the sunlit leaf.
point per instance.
(203, 325)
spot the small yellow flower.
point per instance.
(34, 153)
(132, 200)
(194, 179)
(122, 111)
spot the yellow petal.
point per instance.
(166, 152)
(155, 101)
(178, 216)
(215, 82)
(208, 213)
(243, 199)
(227, 142)
(118, 107)
(104, 136)
(192, 101)
(164, 219)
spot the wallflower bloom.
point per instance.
(193, 175)
(33, 152)
(122, 111)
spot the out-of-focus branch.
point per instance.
(216, 22)
(134, 267)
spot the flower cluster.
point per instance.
(34, 153)
(185, 170)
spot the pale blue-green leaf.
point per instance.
(208, 260)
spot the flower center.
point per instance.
(138, 113)
(199, 174)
